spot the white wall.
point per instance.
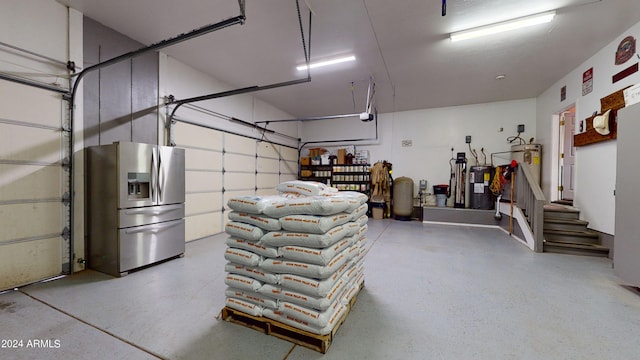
(596, 163)
(433, 132)
(182, 81)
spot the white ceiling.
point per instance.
(402, 44)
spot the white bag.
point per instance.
(308, 205)
(252, 204)
(307, 188)
(262, 221)
(360, 197)
(314, 256)
(242, 257)
(314, 318)
(360, 211)
(271, 291)
(310, 286)
(352, 228)
(353, 251)
(303, 325)
(284, 238)
(314, 224)
(252, 297)
(244, 306)
(244, 231)
(252, 272)
(315, 302)
(242, 282)
(253, 246)
(304, 269)
(362, 220)
(362, 231)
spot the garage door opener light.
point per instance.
(318, 64)
(503, 26)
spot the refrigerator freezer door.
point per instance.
(149, 215)
(144, 245)
(170, 179)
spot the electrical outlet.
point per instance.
(468, 139)
(521, 128)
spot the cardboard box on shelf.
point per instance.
(342, 156)
(305, 160)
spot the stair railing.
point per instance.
(530, 199)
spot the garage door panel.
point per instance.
(266, 192)
(12, 107)
(200, 226)
(235, 162)
(196, 136)
(202, 181)
(43, 145)
(38, 259)
(238, 181)
(203, 202)
(196, 159)
(268, 150)
(289, 167)
(268, 165)
(285, 177)
(289, 154)
(27, 220)
(29, 182)
(267, 181)
(239, 144)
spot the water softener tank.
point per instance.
(402, 198)
(480, 196)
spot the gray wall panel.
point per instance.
(115, 103)
(144, 98)
(120, 101)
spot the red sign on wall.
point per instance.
(587, 82)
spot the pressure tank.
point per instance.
(402, 198)
(480, 196)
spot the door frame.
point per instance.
(556, 150)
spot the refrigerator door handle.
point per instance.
(160, 177)
(154, 175)
(153, 211)
(154, 229)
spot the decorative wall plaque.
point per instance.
(626, 50)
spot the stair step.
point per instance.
(553, 211)
(575, 249)
(577, 237)
(565, 224)
(563, 202)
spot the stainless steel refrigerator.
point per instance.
(135, 204)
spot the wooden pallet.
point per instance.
(320, 343)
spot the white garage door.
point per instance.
(220, 165)
(33, 182)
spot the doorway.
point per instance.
(566, 155)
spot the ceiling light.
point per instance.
(327, 62)
(501, 77)
(503, 26)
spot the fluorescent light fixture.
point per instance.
(503, 26)
(327, 62)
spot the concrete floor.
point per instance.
(432, 292)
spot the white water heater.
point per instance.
(529, 155)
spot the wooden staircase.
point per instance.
(565, 233)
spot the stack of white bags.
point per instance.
(296, 257)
